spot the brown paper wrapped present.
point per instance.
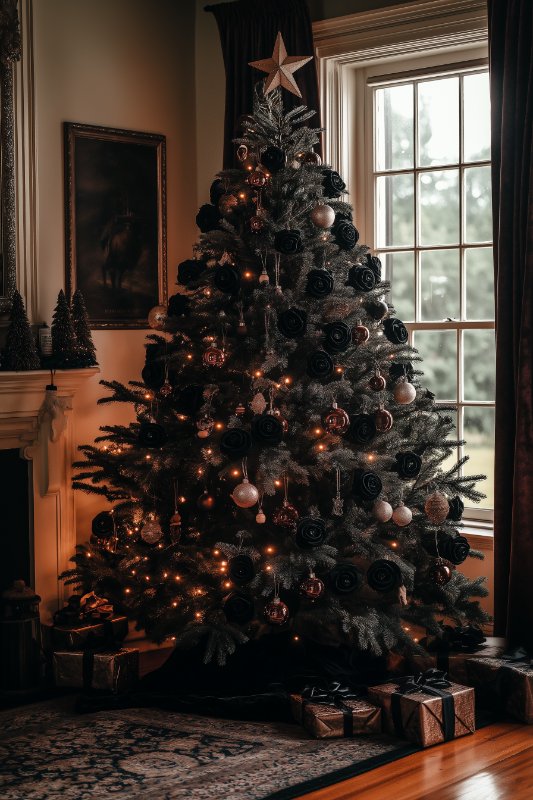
(427, 710)
(444, 656)
(89, 634)
(505, 683)
(334, 712)
(114, 671)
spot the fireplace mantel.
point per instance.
(52, 517)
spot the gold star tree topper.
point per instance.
(280, 68)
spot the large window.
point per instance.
(432, 229)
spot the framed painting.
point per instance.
(115, 184)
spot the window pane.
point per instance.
(478, 205)
(439, 282)
(400, 271)
(479, 276)
(395, 210)
(476, 117)
(439, 207)
(478, 427)
(439, 351)
(394, 127)
(479, 357)
(438, 122)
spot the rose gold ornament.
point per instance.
(175, 527)
(158, 318)
(257, 179)
(205, 426)
(286, 516)
(402, 515)
(245, 495)
(360, 334)
(322, 216)
(280, 68)
(214, 356)
(240, 411)
(276, 612)
(312, 587)
(383, 420)
(440, 573)
(151, 531)
(256, 224)
(377, 382)
(404, 392)
(336, 420)
(260, 517)
(227, 203)
(437, 507)
(382, 510)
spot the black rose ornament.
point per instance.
(153, 375)
(151, 435)
(408, 464)
(310, 532)
(346, 235)
(320, 365)
(235, 442)
(190, 399)
(456, 509)
(362, 428)
(289, 242)
(292, 323)
(267, 429)
(453, 548)
(227, 279)
(366, 485)
(384, 575)
(361, 279)
(319, 283)
(208, 218)
(190, 270)
(397, 370)
(273, 158)
(373, 263)
(102, 525)
(178, 306)
(241, 569)
(238, 608)
(377, 310)
(333, 184)
(216, 191)
(343, 579)
(395, 330)
(338, 337)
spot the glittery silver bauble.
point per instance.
(151, 531)
(245, 495)
(382, 510)
(402, 515)
(158, 318)
(437, 507)
(404, 393)
(322, 216)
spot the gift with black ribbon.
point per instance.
(79, 635)
(425, 708)
(450, 651)
(331, 710)
(505, 683)
(112, 669)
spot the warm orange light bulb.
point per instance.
(269, 550)
(235, 472)
(258, 373)
(318, 431)
(127, 591)
(216, 552)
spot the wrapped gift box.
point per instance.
(504, 683)
(452, 661)
(424, 712)
(89, 634)
(330, 715)
(114, 671)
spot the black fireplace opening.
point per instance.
(16, 544)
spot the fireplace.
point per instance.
(38, 523)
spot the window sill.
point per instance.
(479, 534)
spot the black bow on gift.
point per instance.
(430, 679)
(518, 655)
(463, 639)
(333, 694)
(433, 682)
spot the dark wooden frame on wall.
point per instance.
(73, 132)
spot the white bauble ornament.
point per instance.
(382, 510)
(404, 393)
(402, 515)
(322, 216)
(151, 531)
(245, 495)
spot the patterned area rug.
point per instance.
(47, 751)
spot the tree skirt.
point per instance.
(49, 751)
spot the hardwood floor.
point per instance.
(496, 763)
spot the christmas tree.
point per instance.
(85, 349)
(20, 352)
(286, 467)
(64, 355)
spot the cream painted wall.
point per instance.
(125, 64)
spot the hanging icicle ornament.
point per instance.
(286, 516)
(277, 270)
(245, 494)
(382, 511)
(338, 503)
(241, 324)
(166, 389)
(404, 392)
(151, 531)
(336, 420)
(402, 515)
(175, 520)
(436, 507)
(276, 611)
(312, 587)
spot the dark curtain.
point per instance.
(248, 30)
(511, 75)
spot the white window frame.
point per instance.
(354, 51)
